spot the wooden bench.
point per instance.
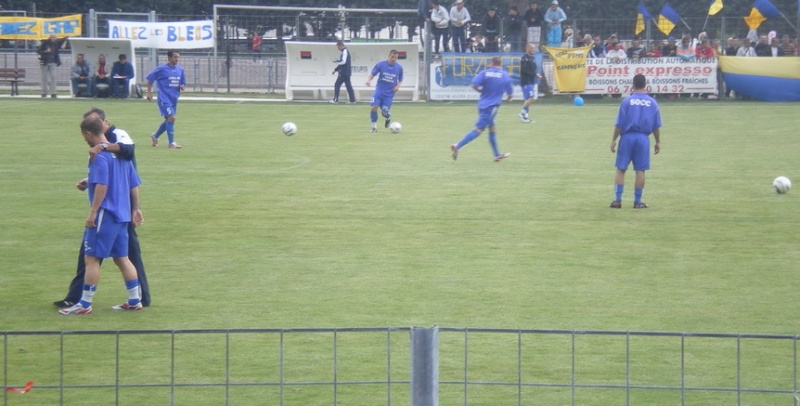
(13, 76)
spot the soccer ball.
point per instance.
(289, 129)
(578, 101)
(395, 127)
(782, 184)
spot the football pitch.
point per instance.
(336, 227)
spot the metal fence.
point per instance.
(417, 366)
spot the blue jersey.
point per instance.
(390, 76)
(120, 177)
(168, 80)
(493, 82)
(638, 113)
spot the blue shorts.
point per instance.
(384, 102)
(108, 239)
(527, 92)
(634, 148)
(486, 117)
(166, 109)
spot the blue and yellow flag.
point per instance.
(762, 10)
(668, 18)
(641, 17)
(715, 7)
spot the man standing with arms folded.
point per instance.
(492, 83)
(637, 118)
(170, 81)
(459, 17)
(343, 67)
(390, 78)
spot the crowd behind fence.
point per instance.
(417, 366)
(233, 67)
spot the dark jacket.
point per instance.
(48, 51)
(527, 70)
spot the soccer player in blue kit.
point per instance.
(391, 77)
(170, 81)
(638, 117)
(491, 83)
(113, 188)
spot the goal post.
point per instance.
(368, 33)
(309, 67)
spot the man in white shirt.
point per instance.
(459, 17)
(440, 19)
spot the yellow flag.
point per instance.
(665, 25)
(715, 7)
(755, 19)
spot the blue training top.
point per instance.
(120, 177)
(168, 80)
(494, 82)
(638, 113)
(390, 76)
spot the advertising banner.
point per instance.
(174, 35)
(664, 75)
(32, 28)
(570, 68)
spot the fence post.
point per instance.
(424, 366)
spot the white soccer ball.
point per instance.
(395, 127)
(782, 184)
(289, 129)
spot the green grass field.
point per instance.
(336, 227)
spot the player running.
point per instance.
(391, 77)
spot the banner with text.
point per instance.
(32, 28)
(570, 67)
(664, 75)
(174, 35)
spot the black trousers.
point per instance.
(338, 86)
(134, 254)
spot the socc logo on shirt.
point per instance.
(640, 102)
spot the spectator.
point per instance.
(49, 59)
(617, 55)
(611, 43)
(763, 48)
(459, 18)
(669, 49)
(635, 51)
(81, 77)
(102, 78)
(746, 49)
(477, 44)
(514, 29)
(533, 19)
(704, 51)
(554, 16)
(255, 46)
(653, 51)
(598, 49)
(685, 50)
(775, 48)
(440, 19)
(491, 29)
(121, 75)
(733, 46)
(789, 49)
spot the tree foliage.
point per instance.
(575, 9)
